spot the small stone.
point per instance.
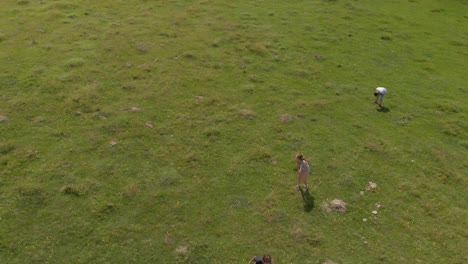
(113, 143)
(364, 219)
(361, 193)
(377, 205)
(374, 212)
(135, 109)
(3, 118)
(199, 97)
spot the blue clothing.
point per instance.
(258, 260)
(307, 168)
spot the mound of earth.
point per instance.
(335, 205)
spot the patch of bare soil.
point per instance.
(285, 118)
(371, 186)
(335, 205)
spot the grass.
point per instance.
(232, 91)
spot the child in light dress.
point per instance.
(303, 170)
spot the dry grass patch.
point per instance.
(75, 63)
(247, 114)
(72, 189)
(285, 118)
(334, 206)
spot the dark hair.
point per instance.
(376, 93)
(300, 156)
(267, 259)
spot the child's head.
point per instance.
(267, 259)
(376, 93)
(299, 157)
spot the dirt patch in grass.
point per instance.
(73, 190)
(149, 124)
(74, 63)
(247, 114)
(334, 206)
(371, 186)
(320, 57)
(182, 251)
(285, 118)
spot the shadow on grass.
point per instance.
(383, 109)
(308, 200)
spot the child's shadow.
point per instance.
(308, 200)
(383, 109)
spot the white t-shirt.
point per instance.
(381, 90)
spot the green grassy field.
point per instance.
(144, 131)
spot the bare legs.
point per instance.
(378, 100)
(302, 178)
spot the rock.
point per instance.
(374, 212)
(3, 118)
(113, 143)
(135, 109)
